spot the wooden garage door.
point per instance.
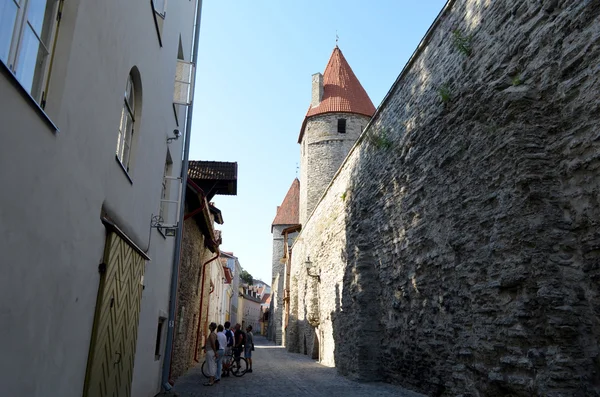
(112, 349)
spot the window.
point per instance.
(157, 348)
(164, 196)
(160, 12)
(184, 79)
(342, 126)
(27, 33)
(177, 107)
(160, 7)
(126, 125)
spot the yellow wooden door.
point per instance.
(112, 349)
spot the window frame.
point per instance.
(126, 130)
(165, 189)
(159, 19)
(184, 82)
(162, 14)
(44, 40)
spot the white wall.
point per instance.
(54, 186)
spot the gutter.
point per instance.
(177, 250)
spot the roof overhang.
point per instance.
(214, 177)
(291, 229)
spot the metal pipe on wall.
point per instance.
(217, 254)
(177, 251)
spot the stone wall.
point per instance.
(459, 246)
(278, 268)
(194, 255)
(323, 150)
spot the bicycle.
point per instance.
(230, 364)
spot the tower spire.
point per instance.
(342, 92)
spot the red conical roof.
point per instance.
(342, 92)
(289, 211)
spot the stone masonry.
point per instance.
(458, 246)
(322, 151)
(188, 300)
(278, 268)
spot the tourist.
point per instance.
(240, 341)
(211, 354)
(249, 347)
(221, 343)
(229, 346)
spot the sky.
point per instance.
(253, 88)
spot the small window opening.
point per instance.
(342, 126)
(161, 322)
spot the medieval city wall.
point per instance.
(458, 246)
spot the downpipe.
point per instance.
(177, 251)
(200, 317)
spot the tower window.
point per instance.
(342, 126)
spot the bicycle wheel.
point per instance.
(239, 368)
(204, 371)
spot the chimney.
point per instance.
(317, 89)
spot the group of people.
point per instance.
(223, 343)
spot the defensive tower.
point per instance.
(339, 110)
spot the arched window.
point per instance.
(126, 126)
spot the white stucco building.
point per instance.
(87, 92)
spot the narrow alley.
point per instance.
(277, 372)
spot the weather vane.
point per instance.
(336, 38)
(297, 167)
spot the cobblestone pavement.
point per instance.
(279, 373)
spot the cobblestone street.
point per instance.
(277, 372)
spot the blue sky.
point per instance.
(253, 89)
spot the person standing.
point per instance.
(240, 341)
(211, 354)
(222, 339)
(229, 346)
(249, 347)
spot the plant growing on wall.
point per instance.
(380, 139)
(516, 80)
(461, 42)
(445, 93)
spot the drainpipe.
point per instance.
(177, 254)
(200, 317)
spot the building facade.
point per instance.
(200, 249)
(251, 307)
(204, 278)
(233, 264)
(93, 96)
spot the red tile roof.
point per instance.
(266, 298)
(342, 92)
(289, 210)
